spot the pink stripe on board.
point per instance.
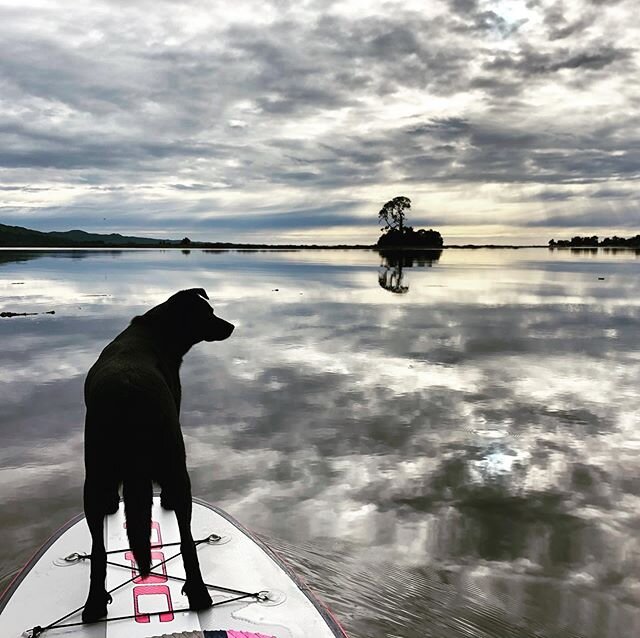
(245, 634)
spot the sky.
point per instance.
(504, 121)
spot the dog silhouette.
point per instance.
(133, 436)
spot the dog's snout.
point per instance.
(220, 330)
(229, 328)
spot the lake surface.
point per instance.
(446, 445)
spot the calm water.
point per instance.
(446, 447)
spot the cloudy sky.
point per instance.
(511, 121)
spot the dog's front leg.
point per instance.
(96, 606)
(194, 587)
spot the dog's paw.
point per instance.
(198, 596)
(96, 606)
(166, 503)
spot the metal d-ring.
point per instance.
(271, 597)
(217, 539)
(73, 558)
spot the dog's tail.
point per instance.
(138, 498)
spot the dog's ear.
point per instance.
(197, 291)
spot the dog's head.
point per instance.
(200, 316)
(188, 318)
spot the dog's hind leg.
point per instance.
(194, 587)
(94, 507)
(112, 498)
(167, 500)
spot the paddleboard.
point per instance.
(255, 593)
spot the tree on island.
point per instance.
(392, 213)
(397, 235)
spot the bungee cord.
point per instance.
(38, 630)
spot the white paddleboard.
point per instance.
(255, 594)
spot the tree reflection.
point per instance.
(391, 275)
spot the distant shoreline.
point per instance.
(266, 247)
(215, 247)
(21, 238)
(222, 246)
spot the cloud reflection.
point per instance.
(483, 424)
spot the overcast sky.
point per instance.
(277, 120)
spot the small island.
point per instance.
(396, 235)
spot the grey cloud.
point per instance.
(599, 217)
(193, 187)
(25, 189)
(447, 128)
(303, 67)
(493, 151)
(464, 6)
(567, 29)
(552, 195)
(472, 17)
(596, 59)
(173, 216)
(335, 214)
(570, 193)
(530, 62)
(614, 193)
(32, 145)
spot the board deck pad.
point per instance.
(51, 586)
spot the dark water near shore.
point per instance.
(460, 457)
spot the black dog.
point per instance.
(133, 437)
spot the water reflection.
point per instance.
(479, 432)
(390, 274)
(593, 250)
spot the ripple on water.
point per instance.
(374, 600)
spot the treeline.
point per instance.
(594, 242)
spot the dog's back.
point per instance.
(134, 392)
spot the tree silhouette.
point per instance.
(393, 212)
(391, 278)
(396, 234)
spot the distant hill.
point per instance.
(17, 236)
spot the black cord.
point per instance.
(38, 630)
(226, 590)
(56, 623)
(199, 541)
